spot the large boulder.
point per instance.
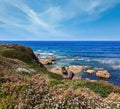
(70, 75)
(21, 70)
(76, 68)
(67, 74)
(103, 74)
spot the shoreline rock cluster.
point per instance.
(46, 61)
(71, 70)
(100, 73)
(68, 72)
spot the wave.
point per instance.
(38, 50)
(60, 57)
(116, 67)
(73, 59)
(44, 54)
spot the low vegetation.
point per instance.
(101, 88)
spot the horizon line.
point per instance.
(58, 40)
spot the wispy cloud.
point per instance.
(76, 8)
(50, 21)
(32, 15)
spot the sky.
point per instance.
(55, 20)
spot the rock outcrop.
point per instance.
(67, 74)
(103, 74)
(22, 53)
(21, 70)
(100, 72)
(76, 69)
(46, 61)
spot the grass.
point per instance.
(55, 82)
(15, 54)
(102, 89)
(27, 74)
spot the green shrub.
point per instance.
(15, 54)
(100, 88)
(55, 82)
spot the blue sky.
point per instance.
(60, 20)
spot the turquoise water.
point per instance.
(89, 53)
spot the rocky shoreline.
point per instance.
(70, 72)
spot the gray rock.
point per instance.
(20, 70)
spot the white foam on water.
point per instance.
(116, 67)
(60, 57)
(108, 61)
(45, 55)
(73, 59)
(38, 50)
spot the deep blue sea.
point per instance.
(101, 54)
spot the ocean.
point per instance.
(100, 54)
